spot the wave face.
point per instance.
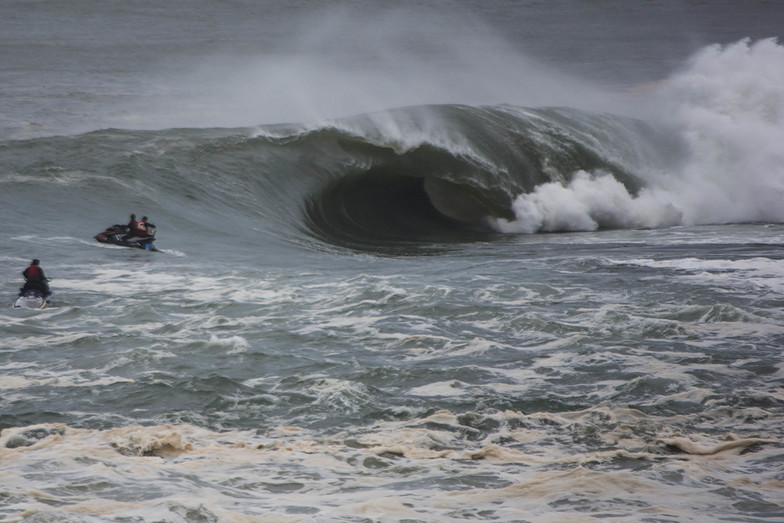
(387, 181)
(440, 173)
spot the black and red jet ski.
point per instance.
(120, 235)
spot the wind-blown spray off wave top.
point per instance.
(452, 172)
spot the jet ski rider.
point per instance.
(35, 280)
(136, 228)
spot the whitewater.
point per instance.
(489, 261)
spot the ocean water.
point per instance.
(423, 261)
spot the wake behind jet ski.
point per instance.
(139, 234)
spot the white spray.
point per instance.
(727, 105)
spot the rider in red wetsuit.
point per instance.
(141, 227)
(136, 228)
(35, 280)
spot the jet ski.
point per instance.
(120, 235)
(31, 299)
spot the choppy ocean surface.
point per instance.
(473, 260)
